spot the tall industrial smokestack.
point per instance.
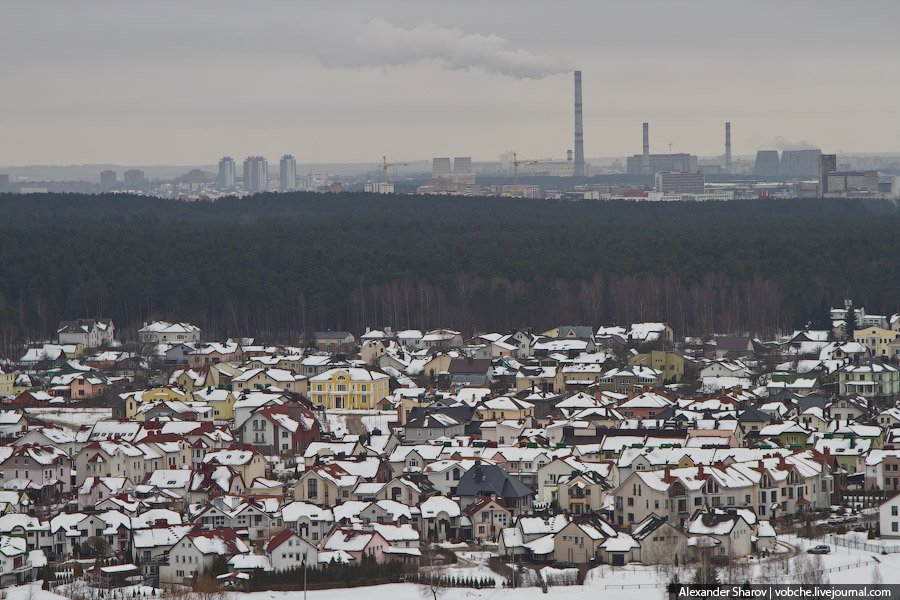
(579, 129)
(645, 164)
(728, 146)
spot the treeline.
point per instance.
(274, 266)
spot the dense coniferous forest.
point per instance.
(276, 265)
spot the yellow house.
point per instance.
(877, 340)
(439, 363)
(191, 379)
(134, 399)
(670, 363)
(221, 401)
(787, 434)
(8, 383)
(352, 387)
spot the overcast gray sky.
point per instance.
(186, 82)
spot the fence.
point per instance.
(857, 565)
(861, 545)
(634, 586)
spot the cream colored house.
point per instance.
(877, 340)
(504, 407)
(263, 379)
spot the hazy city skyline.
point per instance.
(165, 83)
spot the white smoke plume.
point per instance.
(383, 44)
(783, 143)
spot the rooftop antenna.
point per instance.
(670, 147)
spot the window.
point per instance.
(312, 488)
(894, 511)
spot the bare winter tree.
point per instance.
(809, 569)
(876, 575)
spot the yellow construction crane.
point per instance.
(515, 164)
(385, 165)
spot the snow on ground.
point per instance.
(478, 556)
(370, 419)
(73, 418)
(474, 572)
(856, 567)
(382, 420)
(337, 423)
(400, 591)
(863, 538)
(559, 576)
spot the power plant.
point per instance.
(579, 129)
(649, 164)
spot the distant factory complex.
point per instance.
(652, 176)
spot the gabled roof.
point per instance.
(485, 480)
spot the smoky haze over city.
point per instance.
(182, 84)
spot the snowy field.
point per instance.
(634, 582)
(72, 418)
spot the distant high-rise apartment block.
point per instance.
(827, 164)
(4, 183)
(133, 178)
(256, 174)
(680, 183)
(287, 174)
(107, 181)
(440, 167)
(226, 173)
(462, 165)
(767, 164)
(800, 163)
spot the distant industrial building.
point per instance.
(686, 163)
(107, 181)
(767, 164)
(852, 183)
(256, 174)
(133, 179)
(226, 173)
(287, 174)
(551, 168)
(680, 183)
(800, 163)
(648, 164)
(4, 183)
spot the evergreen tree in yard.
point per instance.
(849, 321)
